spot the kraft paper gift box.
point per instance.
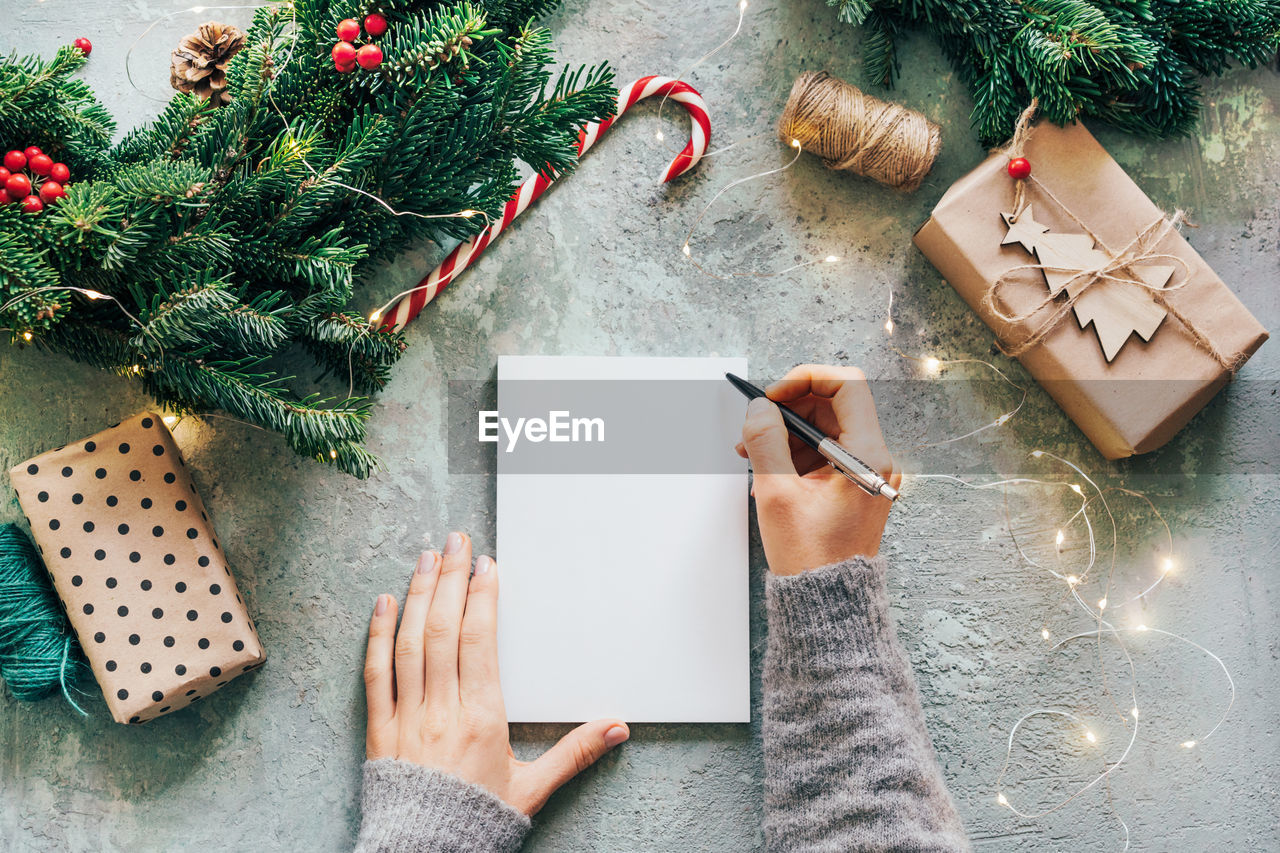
(135, 560)
(1138, 399)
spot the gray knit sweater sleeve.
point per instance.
(848, 763)
(413, 809)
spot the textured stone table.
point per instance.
(272, 761)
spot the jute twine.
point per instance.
(856, 132)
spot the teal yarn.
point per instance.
(39, 653)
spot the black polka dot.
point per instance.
(157, 531)
(202, 562)
(88, 527)
(169, 641)
(169, 477)
(146, 584)
(169, 559)
(65, 552)
(134, 639)
(44, 496)
(99, 637)
(146, 423)
(111, 584)
(112, 500)
(54, 524)
(76, 580)
(214, 589)
(189, 692)
(192, 533)
(180, 586)
(145, 667)
(134, 556)
(66, 471)
(204, 643)
(135, 718)
(158, 450)
(77, 499)
(33, 469)
(88, 609)
(180, 506)
(124, 447)
(135, 475)
(192, 616)
(226, 616)
(216, 546)
(157, 613)
(101, 473)
(180, 669)
(146, 503)
(122, 610)
(156, 696)
(110, 665)
(238, 645)
(122, 529)
(90, 446)
(164, 710)
(123, 694)
(215, 671)
(99, 554)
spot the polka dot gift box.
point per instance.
(142, 576)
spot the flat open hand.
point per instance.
(433, 692)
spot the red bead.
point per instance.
(51, 191)
(375, 25)
(369, 57)
(86, 46)
(60, 173)
(1019, 168)
(18, 186)
(32, 204)
(344, 53)
(41, 164)
(15, 161)
(349, 30)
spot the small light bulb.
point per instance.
(1075, 487)
(1142, 627)
(1102, 604)
(1037, 453)
(1090, 736)
(830, 259)
(93, 294)
(1187, 744)
(932, 365)
(888, 326)
(26, 336)
(742, 6)
(685, 249)
(333, 454)
(1060, 538)
(1134, 711)
(467, 214)
(1072, 580)
(1002, 420)
(1167, 565)
(795, 143)
(1002, 800)
(375, 316)
(1044, 633)
(169, 420)
(659, 136)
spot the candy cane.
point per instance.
(407, 306)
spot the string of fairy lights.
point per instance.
(1092, 498)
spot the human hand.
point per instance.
(810, 514)
(433, 692)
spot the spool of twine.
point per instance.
(856, 132)
(39, 654)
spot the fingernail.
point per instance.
(615, 736)
(453, 544)
(381, 606)
(426, 562)
(483, 564)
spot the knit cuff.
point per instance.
(409, 808)
(830, 611)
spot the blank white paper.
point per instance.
(626, 595)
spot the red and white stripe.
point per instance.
(464, 255)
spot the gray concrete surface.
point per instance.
(272, 761)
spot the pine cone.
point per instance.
(199, 63)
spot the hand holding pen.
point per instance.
(810, 514)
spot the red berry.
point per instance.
(369, 57)
(345, 68)
(1019, 168)
(18, 186)
(51, 191)
(4, 176)
(60, 173)
(15, 161)
(32, 204)
(375, 25)
(349, 30)
(41, 164)
(344, 53)
(32, 152)
(86, 47)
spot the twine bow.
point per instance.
(1141, 249)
